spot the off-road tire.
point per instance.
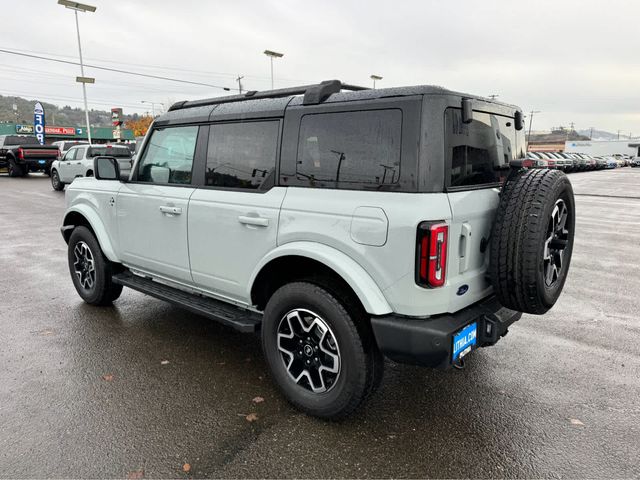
(56, 183)
(103, 291)
(519, 236)
(359, 356)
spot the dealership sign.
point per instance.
(24, 128)
(38, 122)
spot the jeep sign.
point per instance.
(38, 122)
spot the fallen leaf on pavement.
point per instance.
(252, 417)
(257, 400)
(108, 377)
(135, 475)
(186, 468)
(575, 421)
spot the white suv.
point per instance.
(342, 225)
(78, 162)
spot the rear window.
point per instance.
(20, 140)
(350, 149)
(478, 153)
(118, 152)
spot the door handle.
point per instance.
(465, 246)
(257, 221)
(171, 210)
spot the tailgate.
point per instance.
(39, 151)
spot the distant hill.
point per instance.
(602, 135)
(60, 116)
(557, 136)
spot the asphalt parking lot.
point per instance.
(143, 388)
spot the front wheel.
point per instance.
(90, 270)
(323, 358)
(56, 183)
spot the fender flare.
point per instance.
(359, 280)
(96, 225)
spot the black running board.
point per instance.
(227, 314)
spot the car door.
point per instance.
(233, 219)
(65, 167)
(152, 208)
(78, 167)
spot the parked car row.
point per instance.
(580, 162)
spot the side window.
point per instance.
(479, 152)
(350, 149)
(71, 154)
(242, 155)
(168, 157)
(80, 153)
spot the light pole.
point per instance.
(153, 104)
(271, 54)
(81, 7)
(374, 78)
(531, 113)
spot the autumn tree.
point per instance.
(139, 126)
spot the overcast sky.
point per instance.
(576, 61)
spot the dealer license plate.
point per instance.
(464, 341)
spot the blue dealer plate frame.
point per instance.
(464, 341)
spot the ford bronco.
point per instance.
(344, 224)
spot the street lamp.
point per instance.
(81, 7)
(153, 104)
(374, 78)
(271, 54)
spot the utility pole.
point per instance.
(494, 96)
(239, 80)
(619, 134)
(531, 113)
(591, 133)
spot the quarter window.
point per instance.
(350, 149)
(479, 152)
(242, 155)
(168, 157)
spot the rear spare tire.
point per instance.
(532, 240)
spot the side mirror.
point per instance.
(106, 168)
(518, 119)
(467, 110)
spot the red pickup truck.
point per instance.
(22, 154)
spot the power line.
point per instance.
(117, 70)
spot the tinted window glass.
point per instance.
(110, 151)
(350, 149)
(168, 157)
(242, 155)
(20, 140)
(479, 152)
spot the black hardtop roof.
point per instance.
(274, 102)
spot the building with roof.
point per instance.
(604, 147)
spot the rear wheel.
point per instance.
(324, 360)
(532, 240)
(56, 183)
(90, 270)
(14, 169)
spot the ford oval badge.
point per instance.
(463, 289)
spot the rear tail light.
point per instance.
(20, 153)
(431, 254)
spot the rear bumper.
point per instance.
(38, 163)
(429, 342)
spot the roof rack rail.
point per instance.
(313, 94)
